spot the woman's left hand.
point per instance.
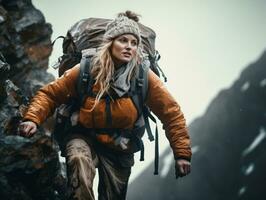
(182, 167)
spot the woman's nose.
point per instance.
(129, 45)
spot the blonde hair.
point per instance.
(103, 68)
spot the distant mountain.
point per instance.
(229, 145)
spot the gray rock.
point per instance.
(29, 167)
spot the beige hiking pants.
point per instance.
(83, 159)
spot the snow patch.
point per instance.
(245, 86)
(256, 142)
(242, 191)
(249, 169)
(263, 83)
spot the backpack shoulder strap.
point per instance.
(143, 81)
(139, 92)
(84, 80)
(139, 88)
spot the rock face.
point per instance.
(29, 167)
(25, 44)
(26, 167)
(229, 144)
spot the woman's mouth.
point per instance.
(126, 54)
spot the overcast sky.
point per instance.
(204, 44)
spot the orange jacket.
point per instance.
(124, 113)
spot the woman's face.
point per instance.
(124, 48)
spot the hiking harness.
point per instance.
(137, 92)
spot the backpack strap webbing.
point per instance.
(136, 93)
(139, 88)
(147, 114)
(108, 111)
(84, 81)
(156, 159)
(62, 37)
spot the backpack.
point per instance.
(79, 45)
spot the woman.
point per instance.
(112, 69)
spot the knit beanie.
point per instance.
(123, 24)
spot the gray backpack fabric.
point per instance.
(87, 34)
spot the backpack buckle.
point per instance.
(140, 82)
(85, 77)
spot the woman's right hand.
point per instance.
(27, 128)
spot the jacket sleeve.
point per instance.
(52, 95)
(164, 106)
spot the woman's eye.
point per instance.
(134, 43)
(123, 40)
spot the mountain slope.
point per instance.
(228, 142)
